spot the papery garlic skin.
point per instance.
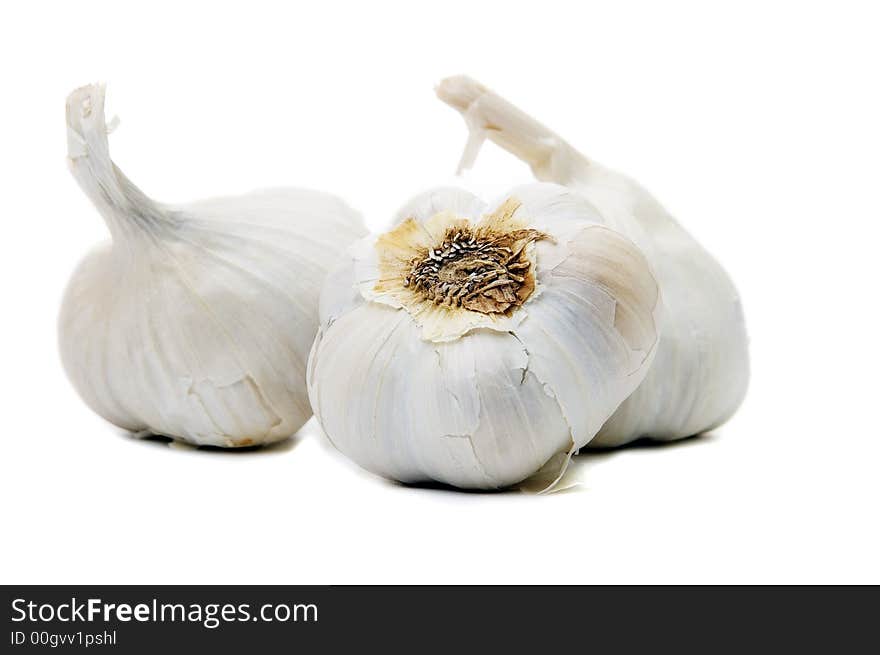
(196, 321)
(700, 373)
(443, 393)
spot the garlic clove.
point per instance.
(594, 329)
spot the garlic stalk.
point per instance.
(700, 373)
(477, 344)
(196, 320)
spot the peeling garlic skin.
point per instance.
(417, 390)
(700, 373)
(196, 321)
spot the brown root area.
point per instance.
(479, 269)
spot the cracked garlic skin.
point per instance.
(196, 320)
(479, 344)
(700, 373)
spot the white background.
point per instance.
(756, 124)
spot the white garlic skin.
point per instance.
(700, 373)
(486, 406)
(196, 320)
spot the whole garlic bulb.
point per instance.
(196, 321)
(700, 374)
(477, 344)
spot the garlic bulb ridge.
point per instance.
(196, 320)
(472, 344)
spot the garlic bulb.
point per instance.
(196, 321)
(700, 373)
(477, 344)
